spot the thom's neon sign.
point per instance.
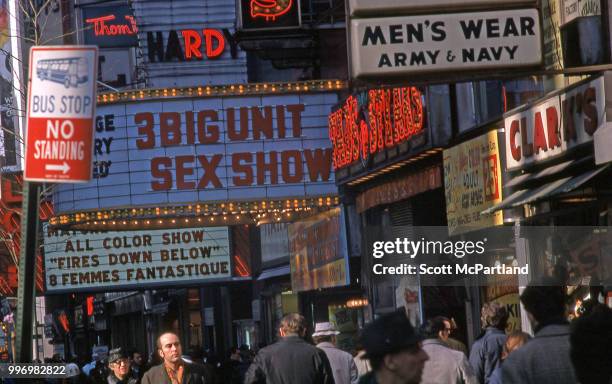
(101, 28)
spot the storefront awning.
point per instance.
(557, 187)
(541, 192)
(274, 272)
(548, 171)
(507, 202)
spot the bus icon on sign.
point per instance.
(70, 71)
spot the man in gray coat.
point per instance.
(342, 363)
(291, 360)
(445, 365)
(546, 358)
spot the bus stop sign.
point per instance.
(61, 108)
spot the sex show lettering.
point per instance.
(244, 124)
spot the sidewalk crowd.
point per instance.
(390, 351)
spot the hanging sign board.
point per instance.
(61, 104)
(395, 46)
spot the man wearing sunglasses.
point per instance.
(119, 364)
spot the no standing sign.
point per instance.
(61, 107)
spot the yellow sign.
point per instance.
(472, 183)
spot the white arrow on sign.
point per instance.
(58, 167)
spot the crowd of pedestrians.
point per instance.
(389, 351)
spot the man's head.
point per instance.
(136, 358)
(438, 327)
(325, 332)
(494, 315)
(119, 362)
(394, 349)
(544, 302)
(293, 324)
(169, 347)
(514, 341)
(590, 350)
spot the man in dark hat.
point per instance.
(394, 350)
(119, 364)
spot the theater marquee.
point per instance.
(209, 149)
(76, 260)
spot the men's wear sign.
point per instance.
(415, 44)
(76, 260)
(472, 183)
(59, 143)
(553, 126)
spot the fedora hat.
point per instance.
(325, 329)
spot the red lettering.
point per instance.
(527, 146)
(170, 128)
(102, 29)
(157, 171)
(146, 129)
(292, 157)
(182, 171)
(539, 138)
(210, 171)
(193, 41)
(210, 35)
(238, 167)
(552, 124)
(514, 149)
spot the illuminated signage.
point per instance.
(208, 149)
(270, 9)
(376, 120)
(110, 27)
(555, 125)
(197, 44)
(270, 14)
(102, 27)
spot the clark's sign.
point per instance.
(395, 46)
(555, 125)
(76, 260)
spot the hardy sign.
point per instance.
(61, 105)
(447, 42)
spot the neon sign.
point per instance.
(373, 121)
(101, 28)
(270, 9)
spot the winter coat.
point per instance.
(445, 365)
(112, 379)
(192, 374)
(342, 364)
(545, 359)
(486, 353)
(291, 360)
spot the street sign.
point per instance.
(61, 105)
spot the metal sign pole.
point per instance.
(27, 273)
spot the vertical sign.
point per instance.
(61, 103)
(472, 183)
